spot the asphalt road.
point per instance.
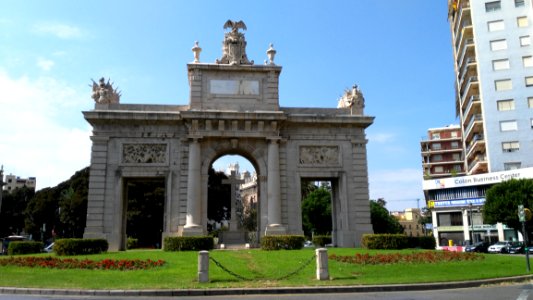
(495, 292)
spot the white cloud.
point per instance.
(45, 64)
(400, 188)
(381, 137)
(62, 31)
(36, 140)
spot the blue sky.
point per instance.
(397, 52)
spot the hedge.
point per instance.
(188, 243)
(132, 243)
(286, 242)
(24, 247)
(385, 241)
(397, 241)
(321, 240)
(80, 246)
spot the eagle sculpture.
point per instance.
(234, 25)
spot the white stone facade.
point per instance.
(233, 109)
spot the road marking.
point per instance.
(523, 295)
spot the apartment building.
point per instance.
(442, 152)
(12, 182)
(493, 58)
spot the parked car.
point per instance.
(49, 248)
(516, 247)
(477, 247)
(500, 247)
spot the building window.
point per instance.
(510, 146)
(529, 81)
(497, 45)
(522, 22)
(435, 136)
(457, 168)
(496, 25)
(503, 85)
(525, 41)
(437, 157)
(530, 102)
(504, 105)
(438, 169)
(500, 64)
(527, 61)
(436, 146)
(493, 6)
(456, 156)
(519, 3)
(454, 145)
(454, 134)
(450, 219)
(508, 125)
(511, 166)
(531, 123)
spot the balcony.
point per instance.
(468, 68)
(478, 165)
(468, 51)
(476, 145)
(464, 37)
(470, 84)
(473, 106)
(475, 121)
(463, 12)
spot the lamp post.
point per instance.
(1, 185)
(471, 225)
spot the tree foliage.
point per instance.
(316, 212)
(62, 208)
(382, 221)
(502, 200)
(218, 197)
(12, 213)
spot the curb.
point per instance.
(270, 291)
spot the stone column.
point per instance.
(273, 184)
(273, 190)
(194, 187)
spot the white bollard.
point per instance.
(322, 272)
(203, 266)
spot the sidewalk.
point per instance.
(272, 290)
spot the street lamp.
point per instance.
(471, 225)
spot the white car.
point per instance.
(500, 247)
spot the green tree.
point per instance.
(218, 197)
(12, 214)
(502, 200)
(316, 212)
(382, 221)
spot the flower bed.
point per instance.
(415, 257)
(73, 263)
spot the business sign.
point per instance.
(480, 179)
(455, 203)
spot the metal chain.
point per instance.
(305, 264)
(228, 271)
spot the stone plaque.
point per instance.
(234, 87)
(144, 153)
(319, 155)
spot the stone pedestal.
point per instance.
(233, 237)
(275, 230)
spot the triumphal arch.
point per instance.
(233, 109)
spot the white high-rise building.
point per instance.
(494, 82)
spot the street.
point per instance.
(495, 292)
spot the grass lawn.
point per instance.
(263, 267)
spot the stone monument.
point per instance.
(233, 109)
(235, 234)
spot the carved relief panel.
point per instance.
(319, 155)
(144, 154)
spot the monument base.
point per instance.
(233, 237)
(275, 230)
(192, 231)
